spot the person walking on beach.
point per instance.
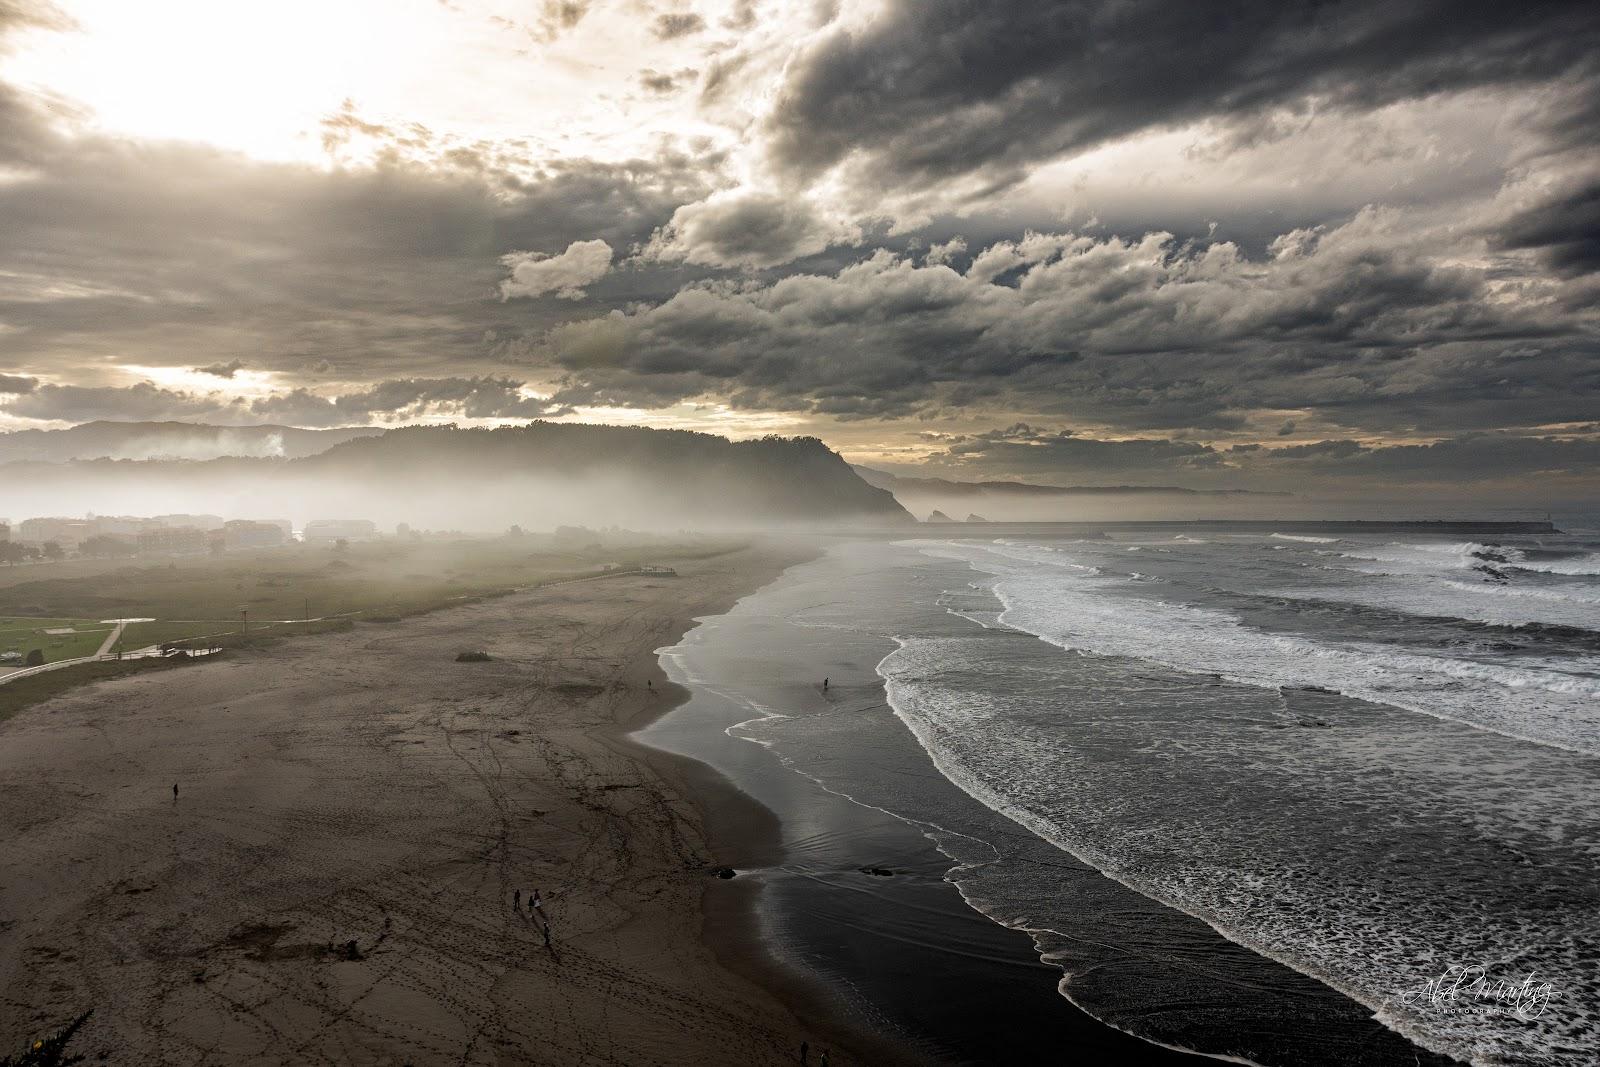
(805, 1051)
(824, 685)
(516, 899)
(174, 791)
(535, 902)
(824, 1060)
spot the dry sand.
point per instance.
(366, 787)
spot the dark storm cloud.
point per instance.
(937, 88)
(1356, 321)
(1565, 229)
(221, 370)
(16, 383)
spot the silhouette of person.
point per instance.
(516, 899)
(824, 1060)
(547, 935)
(174, 790)
(805, 1051)
(824, 685)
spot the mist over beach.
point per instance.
(766, 532)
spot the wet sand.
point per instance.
(366, 788)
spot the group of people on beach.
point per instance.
(536, 911)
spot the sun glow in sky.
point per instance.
(261, 79)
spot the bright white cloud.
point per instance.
(566, 275)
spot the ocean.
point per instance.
(1277, 798)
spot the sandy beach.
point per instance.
(366, 788)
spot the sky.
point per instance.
(1350, 246)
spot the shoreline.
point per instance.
(892, 990)
(824, 861)
(740, 832)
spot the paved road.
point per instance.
(111, 639)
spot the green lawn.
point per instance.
(222, 633)
(289, 591)
(23, 634)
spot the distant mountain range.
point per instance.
(541, 474)
(946, 488)
(170, 440)
(768, 478)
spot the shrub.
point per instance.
(50, 1051)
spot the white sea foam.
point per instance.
(1373, 855)
(1547, 702)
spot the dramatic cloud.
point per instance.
(1189, 237)
(388, 401)
(1366, 319)
(200, 258)
(1062, 457)
(142, 402)
(534, 273)
(1566, 228)
(743, 229)
(410, 398)
(934, 89)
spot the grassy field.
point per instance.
(293, 591)
(23, 634)
(290, 589)
(288, 592)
